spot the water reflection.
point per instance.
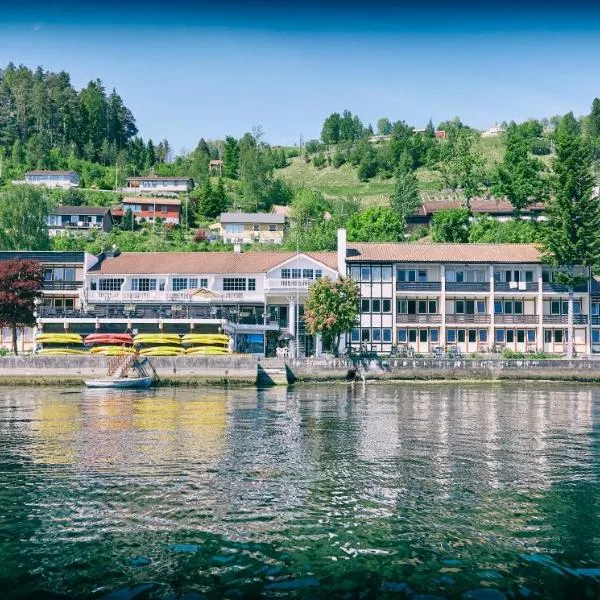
(312, 492)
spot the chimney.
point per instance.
(341, 252)
(237, 248)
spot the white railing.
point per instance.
(289, 283)
(96, 296)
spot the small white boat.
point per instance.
(120, 382)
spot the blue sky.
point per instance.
(191, 70)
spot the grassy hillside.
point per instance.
(336, 183)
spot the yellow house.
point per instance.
(248, 228)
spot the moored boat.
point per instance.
(120, 382)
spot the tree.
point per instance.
(430, 129)
(331, 309)
(487, 230)
(231, 158)
(594, 121)
(23, 219)
(519, 176)
(376, 224)
(405, 200)
(571, 241)
(384, 126)
(462, 167)
(330, 133)
(20, 284)
(256, 171)
(209, 207)
(451, 225)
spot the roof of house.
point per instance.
(478, 205)
(216, 161)
(443, 253)
(163, 201)
(80, 210)
(203, 262)
(41, 172)
(240, 217)
(46, 257)
(158, 178)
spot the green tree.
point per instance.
(405, 200)
(451, 225)
(211, 202)
(384, 126)
(594, 121)
(376, 224)
(331, 130)
(491, 231)
(23, 219)
(331, 309)
(461, 166)
(256, 171)
(571, 241)
(231, 158)
(519, 176)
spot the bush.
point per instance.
(4, 351)
(319, 160)
(338, 159)
(511, 354)
(367, 169)
(540, 146)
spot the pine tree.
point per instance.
(405, 199)
(231, 158)
(212, 202)
(594, 121)
(572, 231)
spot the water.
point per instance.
(454, 491)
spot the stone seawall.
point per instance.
(224, 370)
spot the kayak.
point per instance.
(60, 352)
(203, 338)
(112, 350)
(162, 351)
(120, 382)
(206, 350)
(144, 337)
(109, 338)
(58, 338)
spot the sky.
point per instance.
(196, 69)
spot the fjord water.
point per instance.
(318, 492)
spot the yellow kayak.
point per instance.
(112, 350)
(205, 337)
(162, 351)
(58, 338)
(60, 351)
(200, 350)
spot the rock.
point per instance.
(489, 574)
(293, 584)
(184, 548)
(483, 594)
(140, 561)
(129, 593)
(391, 586)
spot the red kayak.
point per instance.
(108, 338)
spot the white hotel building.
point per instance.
(476, 297)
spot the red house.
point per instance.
(167, 209)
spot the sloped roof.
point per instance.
(448, 253)
(46, 257)
(80, 210)
(478, 205)
(41, 172)
(142, 200)
(203, 262)
(157, 178)
(240, 217)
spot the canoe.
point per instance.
(120, 382)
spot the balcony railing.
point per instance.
(479, 286)
(516, 286)
(61, 285)
(577, 319)
(290, 283)
(595, 319)
(461, 318)
(516, 319)
(555, 287)
(422, 318)
(418, 286)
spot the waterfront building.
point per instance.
(50, 179)
(167, 209)
(249, 228)
(78, 219)
(152, 184)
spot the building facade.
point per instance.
(79, 219)
(149, 209)
(153, 184)
(51, 179)
(249, 228)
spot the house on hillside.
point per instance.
(152, 184)
(50, 179)
(501, 210)
(493, 131)
(77, 219)
(215, 167)
(167, 209)
(248, 228)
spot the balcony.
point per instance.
(555, 287)
(577, 319)
(418, 286)
(479, 286)
(501, 319)
(51, 286)
(461, 318)
(595, 319)
(289, 284)
(514, 286)
(422, 318)
(128, 297)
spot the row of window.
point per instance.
(137, 208)
(59, 303)
(375, 335)
(301, 273)
(375, 305)
(59, 274)
(413, 307)
(239, 284)
(367, 274)
(189, 283)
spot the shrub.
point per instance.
(4, 351)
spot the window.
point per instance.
(459, 307)
(402, 336)
(272, 227)
(296, 273)
(558, 336)
(251, 284)
(365, 305)
(69, 304)
(387, 335)
(69, 274)
(365, 273)
(234, 284)
(547, 336)
(518, 307)
(483, 336)
(595, 308)
(412, 335)
(472, 335)
(285, 273)
(498, 307)
(555, 306)
(255, 227)
(480, 307)
(529, 276)
(376, 305)
(546, 278)
(410, 276)
(110, 285)
(164, 209)
(423, 335)
(376, 335)
(386, 305)
(422, 276)
(203, 282)
(318, 273)
(500, 336)
(375, 273)
(234, 228)
(308, 274)
(434, 335)
(143, 285)
(162, 284)
(531, 336)
(94, 285)
(59, 274)
(510, 336)
(180, 283)
(432, 306)
(576, 307)
(595, 336)
(355, 336)
(508, 307)
(402, 307)
(520, 336)
(48, 274)
(451, 336)
(461, 336)
(355, 273)
(422, 306)
(365, 335)
(386, 273)
(470, 307)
